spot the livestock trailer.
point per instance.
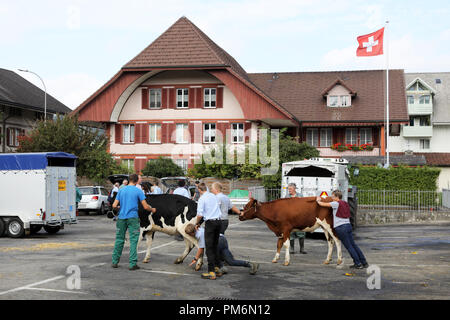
(320, 177)
(36, 190)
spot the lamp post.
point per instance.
(45, 91)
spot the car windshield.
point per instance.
(88, 190)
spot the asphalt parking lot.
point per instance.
(413, 261)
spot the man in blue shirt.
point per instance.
(208, 209)
(128, 199)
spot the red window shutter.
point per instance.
(375, 135)
(172, 133)
(191, 98)
(144, 133)
(145, 101)
(139, 164)
(191, 132)
(8, 135)
(220, 131)
(164, 135)
(219, 97)
(118, 133)
(164, 98)
(247, 128)
(172, 98)
(138, 133)
(199, 97)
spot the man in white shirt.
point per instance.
(225, 205)
(181, 190)
(209, 211)
(156, 190)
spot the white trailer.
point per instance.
(36, 190)
(320, 177)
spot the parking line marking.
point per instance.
(167, 272)
(32, 285)
(55, 290)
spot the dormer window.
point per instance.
(425, 99)
(339, 101)
(338, 94)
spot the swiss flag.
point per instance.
(370, 44)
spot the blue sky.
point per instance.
(78, 45)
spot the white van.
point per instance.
(36, 190)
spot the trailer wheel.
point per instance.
(2, 227)
(353, 204)
(15, 228)
(52, 229)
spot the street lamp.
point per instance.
(45, 91)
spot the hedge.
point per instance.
(397, 178)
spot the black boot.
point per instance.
(302, 245)
(291, 248)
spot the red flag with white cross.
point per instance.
(370, 44)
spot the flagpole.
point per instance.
(387, 94)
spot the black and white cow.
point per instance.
(173, 214)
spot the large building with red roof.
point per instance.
(181, 92)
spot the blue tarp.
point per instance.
(35, 161)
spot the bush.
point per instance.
(162, 167)
(398, 178)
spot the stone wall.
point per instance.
(367, 217)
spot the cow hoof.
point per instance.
(339, 262)
(286, 264)
(326, 262)
(178, 261)
(146, 261)
(274, 261)
(198, 267)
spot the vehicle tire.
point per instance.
(15, 228)
(2, 227)
(52, 229)
(353, 203)
(35, 229)
(101, 211)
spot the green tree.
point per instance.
(162, 167)
(67, 134)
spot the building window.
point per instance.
(351, 136)
(155, 133)
(312, 137)
(128, 133)
(209, 132)
(182, 163)
(237, 132)
(425, 99)
(326, 136)
(410, 99)
(182, 98)
(333, 101)
(13, 136)
(182, 133)
(345, 101)
(210, 97)
(365, 136)
(424, 144)
(128, 163)
(424, 121)
(155, 98)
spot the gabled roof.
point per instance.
(184, 45)
(16, 91)
(422, 82)
(301, 94)
(341, 82)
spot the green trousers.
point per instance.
(122, 225)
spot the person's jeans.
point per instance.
(212, 232)
(122, 225)
(224, 226)
(225, 254)
(344, 233)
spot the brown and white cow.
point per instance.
(283, 216)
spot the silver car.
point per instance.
(94, 198)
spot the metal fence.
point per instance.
(381, 200)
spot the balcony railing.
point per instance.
(420, 109)
(417, 131)
(328, 152)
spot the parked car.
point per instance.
(94, 198)
(172, 183)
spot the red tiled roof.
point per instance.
(184, 45)
(433, 158)
(301, 93)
